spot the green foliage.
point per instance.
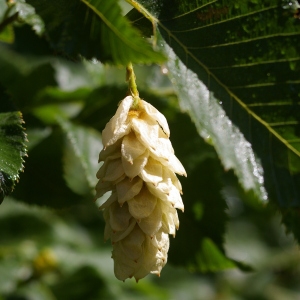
(86, 144)
(249, 72)
(231, 99)
(12, 145)
(93, 29)
(204, 109)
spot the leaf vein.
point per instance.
(248, 40)
(227, 20)
(239, 101)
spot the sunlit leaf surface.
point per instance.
(247, 55)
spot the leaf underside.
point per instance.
(248, 56)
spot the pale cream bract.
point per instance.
(139, 169)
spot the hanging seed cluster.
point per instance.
(139, 169)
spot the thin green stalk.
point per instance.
(130, 76)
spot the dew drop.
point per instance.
(164, 70)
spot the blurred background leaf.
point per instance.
(85, 143)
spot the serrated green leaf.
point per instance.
(94, 29)
(246, 56)
(215, 127)
(12, 149)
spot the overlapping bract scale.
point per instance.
(139, 167)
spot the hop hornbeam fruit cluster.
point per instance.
(139, 169)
